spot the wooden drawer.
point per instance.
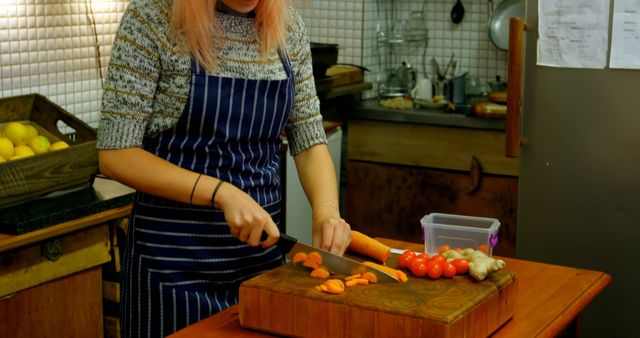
(429, 146)
(26, 266)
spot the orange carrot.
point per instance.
(362, 281)
(369, 247)
(357, 275)
(315, 256)
(393, 272)
(334, 286)
(370, 276)
(299, 257)
(320, 272)
(351, 283)
(338, 282)
(310, 263)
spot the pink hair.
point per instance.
(196, 21)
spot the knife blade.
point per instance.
(334, 263)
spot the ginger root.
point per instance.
(451, 254)
(480, 265)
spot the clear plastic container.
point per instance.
(459, 231)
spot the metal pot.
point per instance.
(323, 56)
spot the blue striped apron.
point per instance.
(181, 263)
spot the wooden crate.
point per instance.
(32, 177)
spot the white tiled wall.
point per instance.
(49, 46)
(469, 40)
(331, 21)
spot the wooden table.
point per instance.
(550, 297)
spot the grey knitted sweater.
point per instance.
(148, 79)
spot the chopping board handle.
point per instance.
(515, 62)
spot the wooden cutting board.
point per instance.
(343, 75)
(283, 301)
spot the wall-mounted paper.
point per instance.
(573, 33)
(625, 35)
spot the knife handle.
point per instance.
(286, 243)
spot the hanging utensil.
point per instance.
(457, 12)
(499, 21)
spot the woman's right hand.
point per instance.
(246, 218)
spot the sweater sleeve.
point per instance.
(304, 128)
(131, 82)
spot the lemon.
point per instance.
(16, 132)
(2, 159)
(6, 148)
(22, 151)
(31, 131)
(39, 144)
(58, 145)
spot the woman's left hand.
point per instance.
(332, 234)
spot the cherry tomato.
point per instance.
(434, 269)
(458, 249)
(425, 256)
(438, 258)
(461, 265)
(483, 248)
(406, 258)
(444, 248)
(448, 270)
(418, 268)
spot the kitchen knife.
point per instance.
(334, 263)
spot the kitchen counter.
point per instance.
(549, 300)
(112, 201)
(372, 110)
(51, 278)
(61, 206)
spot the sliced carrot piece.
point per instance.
(393, 272)
(369, 247)
(335, 291)
(299, 257)
(338, 283)
(315, 256)
(357, 275)
(334, 286)
(320, 273)
(370, 276)
(351, 283)
(362, 281)
(310, 263)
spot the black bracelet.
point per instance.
(194, 188)
(215, 191)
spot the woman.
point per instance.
(196, 97)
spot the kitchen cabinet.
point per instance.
(51, 279)
(398, 172)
